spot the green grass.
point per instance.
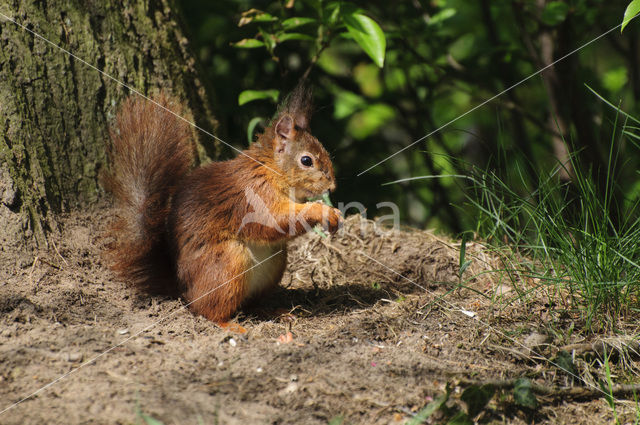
(582, 237)
(579, 240)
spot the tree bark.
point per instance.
(55, 110)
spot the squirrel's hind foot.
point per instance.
(232, 327)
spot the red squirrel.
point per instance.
(216, 234)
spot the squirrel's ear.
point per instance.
(285, 127)
(285, 132)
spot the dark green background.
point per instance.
(435, 71)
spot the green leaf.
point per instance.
(465, 266)
(615, 79)
(523, 393)
(319, 231)
(251, 95)
(332, 10)
(632, 10)
(554, 13)
(476, 397)
(463, 47)
(337, 420)
(347, 103)
(293, 36)
(608, 389)
(248, 43)
(252, 127)
(364, 123)
(368, 34)
(255, 15)
(326, 199)
(429, 410)
(564, 361)
(268, 39)
(368, 78)
(460, 418)
(441, 16)
(291, 23)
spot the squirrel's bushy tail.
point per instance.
(151, 151)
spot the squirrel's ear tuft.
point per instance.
(299, 105)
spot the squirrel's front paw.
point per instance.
(328, 217)
(331, 219)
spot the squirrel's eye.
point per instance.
(306, 161)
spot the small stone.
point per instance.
(232, 342)
(291, 388)
(74, 357)
(123, 331)
(259, 370)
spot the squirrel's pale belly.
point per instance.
(272, 259)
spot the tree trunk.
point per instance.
(55, 110)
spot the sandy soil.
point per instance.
(377, 324)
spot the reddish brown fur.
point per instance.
(151, 151)
(193, 221)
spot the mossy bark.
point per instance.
(55, 111)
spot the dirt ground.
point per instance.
(379, 330)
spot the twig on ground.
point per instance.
(58, 252)
(33, 266)
(55, 266)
